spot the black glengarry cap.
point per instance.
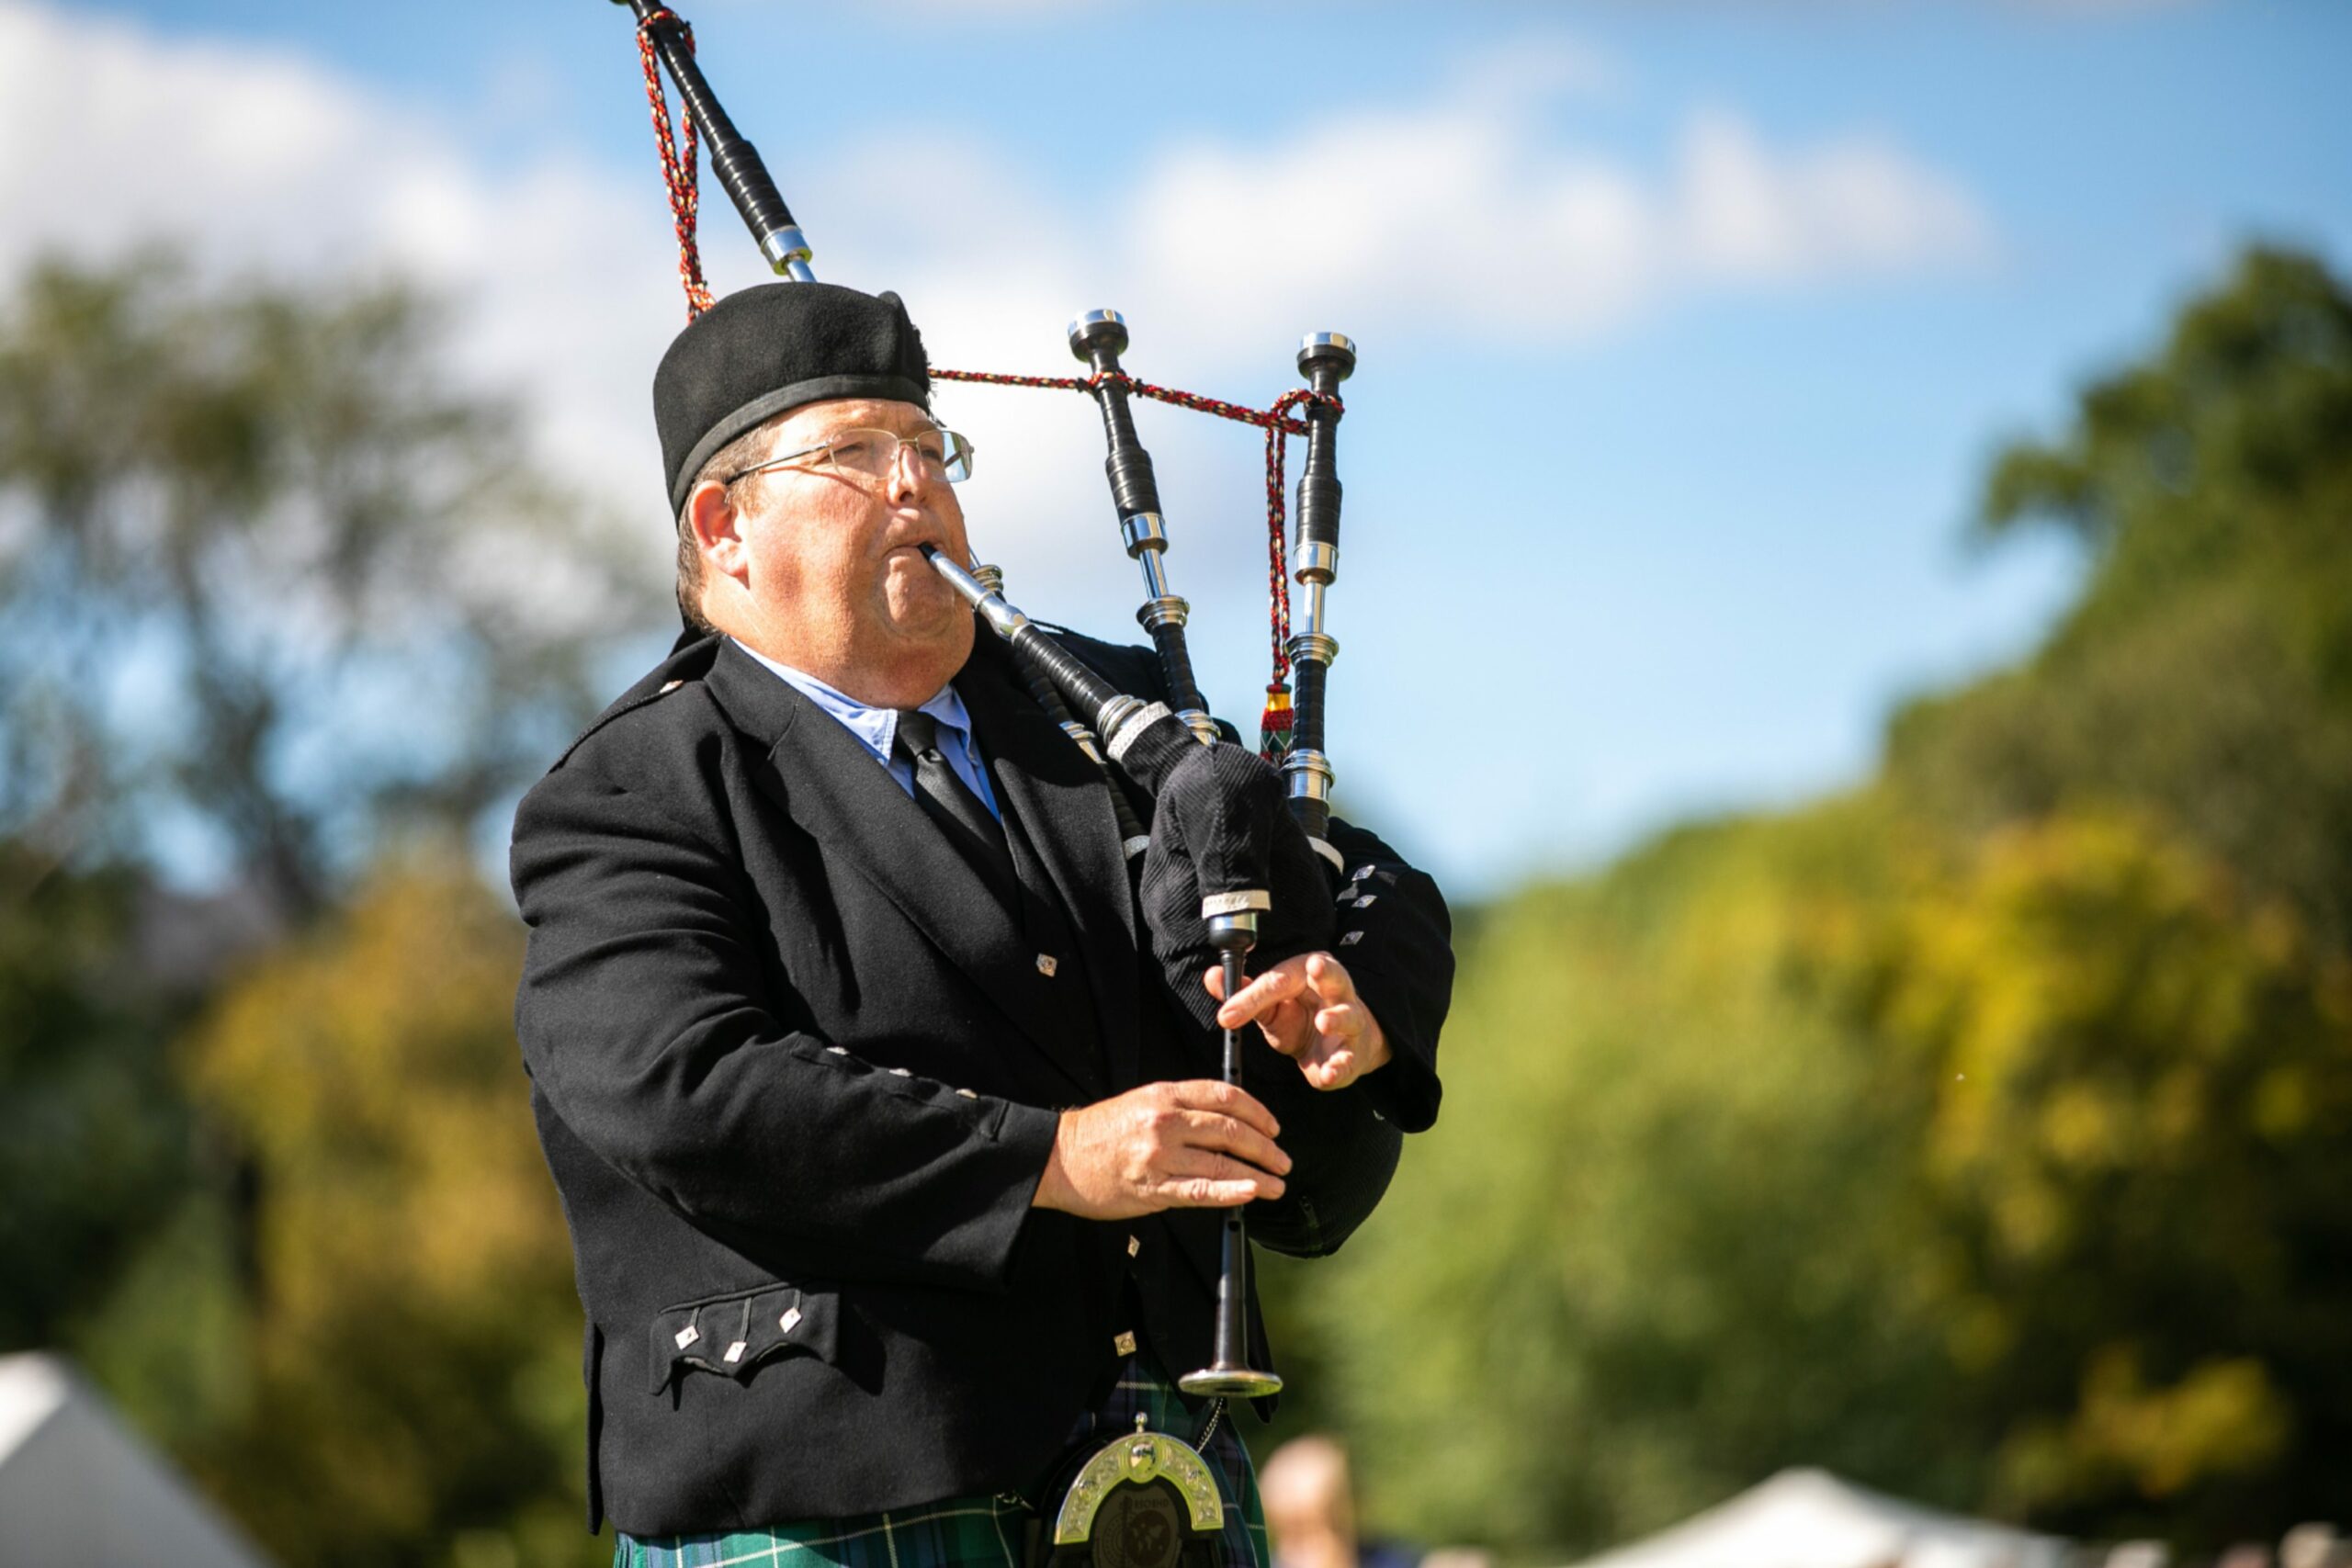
(765, 350)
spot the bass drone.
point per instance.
(1224, 868)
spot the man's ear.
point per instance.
(718, 530)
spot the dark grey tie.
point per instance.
(949, 801)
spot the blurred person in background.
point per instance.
(891, 1173)
(1310, 1500)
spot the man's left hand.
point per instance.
(1308, 1009)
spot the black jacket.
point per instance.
(797, 1072)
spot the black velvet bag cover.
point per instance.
(1223, 824)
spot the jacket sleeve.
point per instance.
(1396, 940)
(647, 1022)
(1346, 1143)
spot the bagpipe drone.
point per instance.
(1238, 858)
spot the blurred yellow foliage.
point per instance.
(414, 1333)
(2115, 1017)
(2223, 1417)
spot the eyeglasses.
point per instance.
(940, 454)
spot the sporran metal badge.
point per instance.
(1143, 1500)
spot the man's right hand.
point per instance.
(1196, 1144)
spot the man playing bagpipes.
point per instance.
(894, 1161)
(871, 994)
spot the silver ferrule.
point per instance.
(1315, 562)
(1236, 932)
(1083, 737)
(989, 576)
(1248, 901)
(1312, 648)
(1203, 727)
(1122, 719)
(788, 253)
(1155, 575)
(1326, 340)
(1233, 917)
(1144, 531)
(1163, 609)
(1308, 774)
(1307, 609)
(1092, 317)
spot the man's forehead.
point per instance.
(841, 413)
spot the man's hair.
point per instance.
(740, 453)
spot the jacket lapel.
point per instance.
(831, 784)
(1060, 797)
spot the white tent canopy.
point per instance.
(77, 1490)
(1810, 1519)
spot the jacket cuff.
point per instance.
(1406, 1091)
(1024, 1137)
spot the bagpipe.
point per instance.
(1238, 857)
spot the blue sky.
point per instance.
(1687, 327)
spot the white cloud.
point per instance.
(110, 137)
(1424, 223)
(1853, 206)
(1467, 216)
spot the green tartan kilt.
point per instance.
(986, 1532)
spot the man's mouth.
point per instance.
(915, 542)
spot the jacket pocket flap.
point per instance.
(734, 1333)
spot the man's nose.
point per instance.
(908, 478)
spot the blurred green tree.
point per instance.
(269, 583)
(2206, 673)
(1669, 1236)
(412, 1337)
(2142, 1147)
(278, 595)
(85, 1093)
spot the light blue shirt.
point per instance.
(878, 729)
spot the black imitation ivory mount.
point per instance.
(735, 160)
(1099, 337)
(1326, 359)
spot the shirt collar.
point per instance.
(878, 728)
